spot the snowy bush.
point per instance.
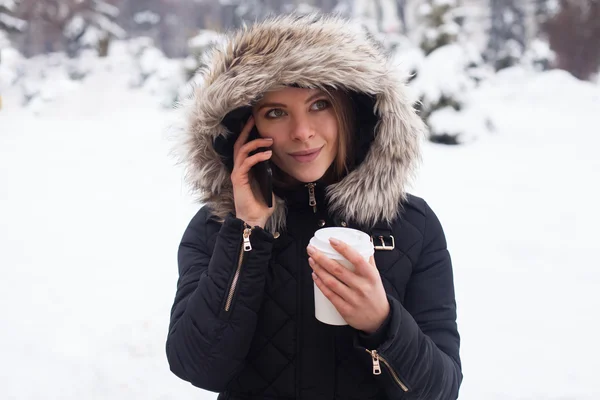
(152, 71)
(44, 80)
(458, 127)
(78, 68)
(145, 57)
(539, 55)
(449, 69)
(408, 56)
(444, 80)
(11, 65)
(439, 24)
(166, 82)
(198, 45)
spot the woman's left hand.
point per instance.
(358, 295)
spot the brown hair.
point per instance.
(344, 161)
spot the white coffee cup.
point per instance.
(325, 311)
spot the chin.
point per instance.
(308, 176)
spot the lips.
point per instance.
(306, 155)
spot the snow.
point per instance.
(8, 4)
(146, 17)
(390, 22)
(93, 208)
(204, 39)
(12, 22)
(74, 27)
(443, 74)
(137, 63)
(408, 58)
(106, 9)
(303, 8)
(11, 66)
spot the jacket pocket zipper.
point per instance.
(377, 368)
(246, 247)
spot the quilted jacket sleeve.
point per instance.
(210, 331)
(419, 352)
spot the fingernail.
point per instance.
(310, 250)
(269, 139)
(334, 242)
(314, 276)
(311, 261)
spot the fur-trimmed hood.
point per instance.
(312, 51)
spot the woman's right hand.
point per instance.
(249, 206)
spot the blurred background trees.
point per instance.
(447, 47)
(503, 30)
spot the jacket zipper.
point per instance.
(377, 368)
(312, 200)
(246, 247)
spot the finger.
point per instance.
(334, 268)
(332, 283)
(251, 161)
(362, 267)
(249, 147)
(337, 301)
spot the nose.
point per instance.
(302, 130)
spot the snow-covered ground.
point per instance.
(92, 209)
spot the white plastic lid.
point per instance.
(358, 240)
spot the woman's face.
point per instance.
(304, 129)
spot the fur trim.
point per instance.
(311, 51)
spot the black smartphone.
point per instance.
(262, 172)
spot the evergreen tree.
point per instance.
(91, 24)
(439, 26)
(507, 36)
(380, 15)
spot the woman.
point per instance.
(344, 141)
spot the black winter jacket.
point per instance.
(242, 323)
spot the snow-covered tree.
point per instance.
(8, 22)
(439, 24)
(507, 37)
(444, 81)
(92, 24)
(451, 68)
(544, 10)
(381, 15)
(198, 45)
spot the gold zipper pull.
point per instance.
(312, 200)
(247, 233)
(376, 365)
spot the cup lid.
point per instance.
(354, 238)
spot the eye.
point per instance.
(320, 105)
(275, 113)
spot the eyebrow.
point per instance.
(311, 98)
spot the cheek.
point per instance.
(278, 151)
(330, 130)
